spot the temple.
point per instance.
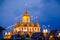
(24, 26)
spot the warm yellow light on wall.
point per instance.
(25, 19)
(51, 36)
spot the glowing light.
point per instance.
(18, 30)
(9, 33)
(59, 34)
(24, 19)
(45, 30)
(25, 29)
(5, 33)
(51, 36)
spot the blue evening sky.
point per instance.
(48, 12)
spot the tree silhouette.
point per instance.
(1, 29)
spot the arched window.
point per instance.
(35, 28)
(38, 28)
(30, 29)
(22, 28)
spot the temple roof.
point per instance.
(26, 13)
(36, 24)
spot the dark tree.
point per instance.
(1, 29)
(1, 32)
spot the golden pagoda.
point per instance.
(25, 26)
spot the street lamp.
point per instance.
(5, 33)
(58, 35)
(45, 30)
(8, 33)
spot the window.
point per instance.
(22, 28)
(35, 28)
(30, 29)
(38, 28)
(25, 28)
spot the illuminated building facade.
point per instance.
(25, 26)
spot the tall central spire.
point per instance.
(26, 17)
(26, 13)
